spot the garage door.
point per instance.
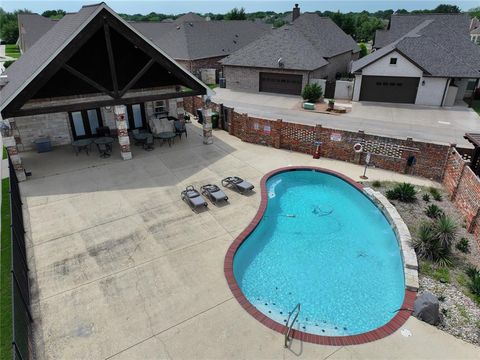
(389, 89)
(281, 83)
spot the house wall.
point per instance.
(194, 66)
(248, 79)
(336, 64)
(343, 89)
(382, 67)
(429, 94)
(432, 92)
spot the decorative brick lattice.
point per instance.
(298, 134)
(383, 148)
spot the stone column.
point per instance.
(10, 144)
(207, 127)
(180, 109)
(119, 112)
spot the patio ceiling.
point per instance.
(99, 60)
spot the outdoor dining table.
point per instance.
(141, 137)
(82, 144)
(107, 140)
(166, 136)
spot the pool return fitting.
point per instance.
(289, 327)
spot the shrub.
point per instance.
(7, 63)
(433, 211)
(442, 274)
(376, 184)
(445, 231)
(404, 192)
(312, 92)
(428, 246)
(463, 245)
(363, 50)
(435, 194)
(474, 276)
(426, 198)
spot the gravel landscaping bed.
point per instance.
(460, 309)
(460, 315)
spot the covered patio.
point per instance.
(474, 139)
(93, 79)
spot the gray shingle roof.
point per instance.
(402, 24)
(202, 39)
(306, 44)
(437, 46)
(30, 64)
(32, 27)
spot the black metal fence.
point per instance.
(21, 315)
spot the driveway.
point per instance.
(121, 268)
(424, 123)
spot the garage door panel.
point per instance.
(393, 89)
(280, 83)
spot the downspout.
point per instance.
(445, 91)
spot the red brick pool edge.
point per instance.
(393, 325)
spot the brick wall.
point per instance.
(387, 153)
(464, 189)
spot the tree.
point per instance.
(54, 14)
(444, 8)
(363, 50)
(475, 12)
(236, 14)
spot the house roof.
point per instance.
(400, 25)
(435, 47)
(306, 44)
(190, 40)
(30, 64)
(31, 28)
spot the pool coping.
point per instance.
(410, 291)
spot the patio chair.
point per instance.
(103, 131)
(148, 145)
(237, 184)
(200, 116)
(214, 193)
(105, 150)
(180, 128)
(193, 198)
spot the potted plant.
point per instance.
(331, 104)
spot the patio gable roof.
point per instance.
(88, 59)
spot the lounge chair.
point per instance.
(180, 128)
(193, 198)
(214, 193)
(237, 183)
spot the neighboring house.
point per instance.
(286, 59)
(475, 30)
(191, 40)
(32, 27)
(85, 71)
(199, 44)
(420, 59)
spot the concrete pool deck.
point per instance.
(122, 269)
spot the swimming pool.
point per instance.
(320, 242)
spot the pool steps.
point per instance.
(410, 263)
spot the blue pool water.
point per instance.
(325, 245)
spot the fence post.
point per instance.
(277, 134)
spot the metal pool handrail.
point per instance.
(289, 327)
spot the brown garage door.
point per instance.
(281, 83)
(393, 89)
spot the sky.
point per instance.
(222, 6)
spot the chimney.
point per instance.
(295, 12)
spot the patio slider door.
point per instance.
(136, 118)
(84, 123)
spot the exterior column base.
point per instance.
(126, 155)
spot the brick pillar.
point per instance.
(277, 134)
(207, 126)
(119, 113)
(231, 119)
(318, 135)
(180, 109)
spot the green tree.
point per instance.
(363, 50)
(9, 25)
(475, 12)
(236, 14)
(54, 14)
(444, 8)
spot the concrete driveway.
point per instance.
(122, 269)
(424, 123)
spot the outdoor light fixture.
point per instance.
(423, 82)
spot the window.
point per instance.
(160, 106)
(393, 61)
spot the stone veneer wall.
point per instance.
(387, 153)
(464, 189)
(54, 126)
